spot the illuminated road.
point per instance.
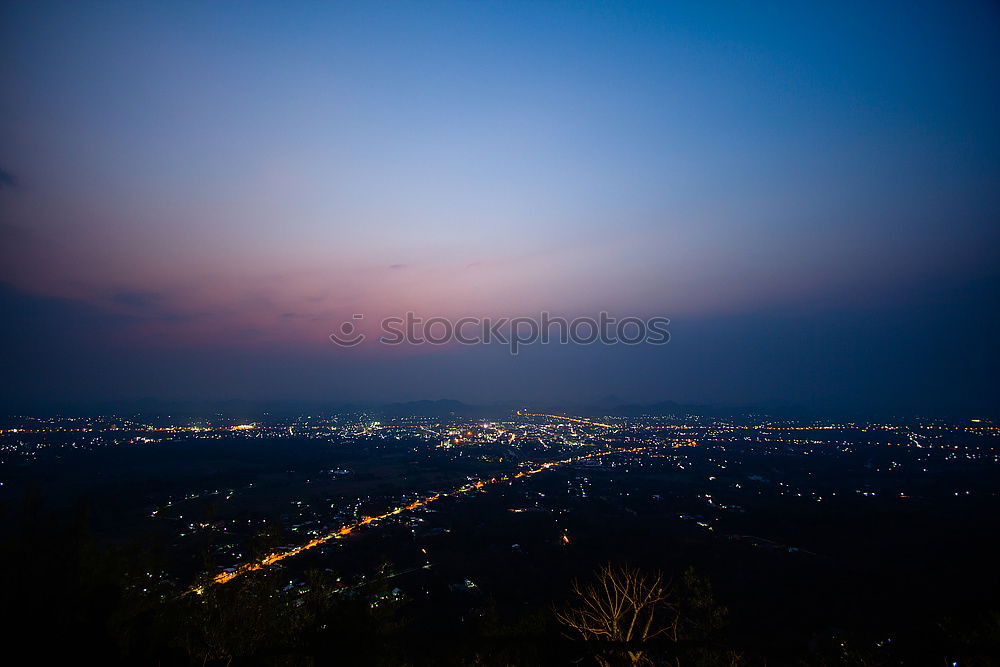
(343, 531)
(570, 419)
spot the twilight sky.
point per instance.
(193, 195)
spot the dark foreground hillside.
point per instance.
(69, 596)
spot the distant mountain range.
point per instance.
(609, 406)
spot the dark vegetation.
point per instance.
(69, 595)
(877, 581)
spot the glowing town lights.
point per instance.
(273, 558)
(572, 419)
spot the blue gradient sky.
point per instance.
(221, 184)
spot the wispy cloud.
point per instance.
(139, 299)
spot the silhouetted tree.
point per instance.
(624, 607)
(632, 616)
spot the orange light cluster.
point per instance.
(273, 558)
(571, 419)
